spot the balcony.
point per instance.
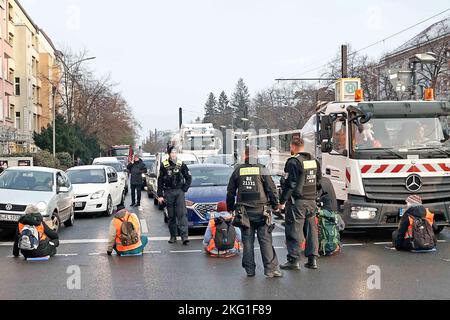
(9, 88)
(8, 48)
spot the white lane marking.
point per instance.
(353, 244)
(152, 252)
(144, 226)
(66, 255)
(382, 243)
(442, 241)
(187, 251)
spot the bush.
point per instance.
(65, 160)
(45, 159)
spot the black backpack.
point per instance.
(225, 234)
(423, 237)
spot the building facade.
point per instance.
(29, 70)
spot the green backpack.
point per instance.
(329, 237)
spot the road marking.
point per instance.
(279, 226)
(382, 243)
(187, 251)
(152, 252)
(144, 226)
(66, 254)
(353, 244)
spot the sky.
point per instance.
(168, 54)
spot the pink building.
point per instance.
(7, 116)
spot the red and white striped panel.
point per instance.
(405, 168)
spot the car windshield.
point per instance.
(221, 159)
(404, 133)
(87, 176)
(212, 176)
(149, 163)
(121, 152)
(27, 180)
(116, 165)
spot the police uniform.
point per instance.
(254, 188)
(299, 193)
(174, 181)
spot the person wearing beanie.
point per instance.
(402, 237)
(173, 182)
(210, 235)
(34, 238)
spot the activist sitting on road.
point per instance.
(125, 234)
(221, 238)
(34, 238)
(415, 232)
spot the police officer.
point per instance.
(173, 182)
(298, 197)
(254, 188)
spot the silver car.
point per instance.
(48, 189)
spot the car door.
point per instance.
(69, 196)
(61, 197)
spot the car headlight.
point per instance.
(189, 204)
(143, 175)
(363, 213)
(42, 207)
(98, 195)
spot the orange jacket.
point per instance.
(429, 218)
(40, 229)
(118, 226)
(211, 248)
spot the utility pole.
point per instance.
(180, 116)
(344, 58)
(54, 119)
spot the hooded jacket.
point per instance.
(415, 211)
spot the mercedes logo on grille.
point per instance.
(8, 207)
(413, 183)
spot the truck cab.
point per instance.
(376, 154)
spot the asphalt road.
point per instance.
(179, 272)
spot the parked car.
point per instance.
(209, 187)
(153, 173)
(48, 189)
(149, 161)
(227, 159)
(116, 164)
(97, 189)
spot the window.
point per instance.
(33, 65)
(17, 86)
(339, 139)
(17, 120)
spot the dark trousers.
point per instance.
(46, 248)
(136, 188)
(176, 209)
(299, 213)
(403, 244)
(269, 257)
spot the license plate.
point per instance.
(78, 204)
(401, 212)
(9, 217)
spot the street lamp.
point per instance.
(422, 58)
(55, 90)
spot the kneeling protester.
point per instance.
(221, 238)
(34, 238)
(416, 229)
(125, 234)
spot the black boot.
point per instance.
(290, 266)
(173, 240)
(312, 263)
(186, 241)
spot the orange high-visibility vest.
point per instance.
(118, 226)
(40, 229)
(212, 244)
(429, 218)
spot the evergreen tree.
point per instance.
(224, 110)
(210, 108)
(241, 104)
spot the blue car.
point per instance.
(209, 187)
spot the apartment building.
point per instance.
(32, 66)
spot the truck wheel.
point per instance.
(439, 229)
(327, 187)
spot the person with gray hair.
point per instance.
(34, 238)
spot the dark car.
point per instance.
(209, 187)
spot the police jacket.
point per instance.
(302, 178)
(252, 186)
(34, 220)
(173, 176)
(136, 170)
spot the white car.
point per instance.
(97, 189)
(116, 164)
(48, 189)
